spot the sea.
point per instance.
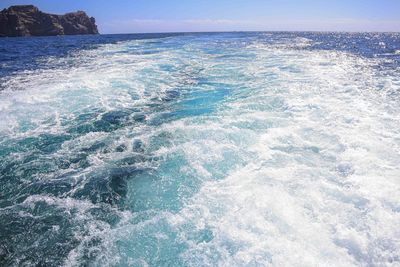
(200, 149)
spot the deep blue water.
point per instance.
(200, 149)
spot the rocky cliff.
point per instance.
(28, 20)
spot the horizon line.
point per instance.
(252, 31)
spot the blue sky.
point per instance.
(129, 16)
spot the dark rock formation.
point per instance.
(28, 20)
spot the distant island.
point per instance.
(28, 20)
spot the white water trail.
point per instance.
(306, 167)
(296, 164)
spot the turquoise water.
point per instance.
(228, 149)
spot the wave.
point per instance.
(201, 150)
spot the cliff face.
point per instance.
(28, 20)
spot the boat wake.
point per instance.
(234, 149)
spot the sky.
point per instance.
(138, 16)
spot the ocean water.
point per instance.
(212, 149)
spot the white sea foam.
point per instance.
(316, 188)
(296, 165)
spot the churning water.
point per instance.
(220, 149)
